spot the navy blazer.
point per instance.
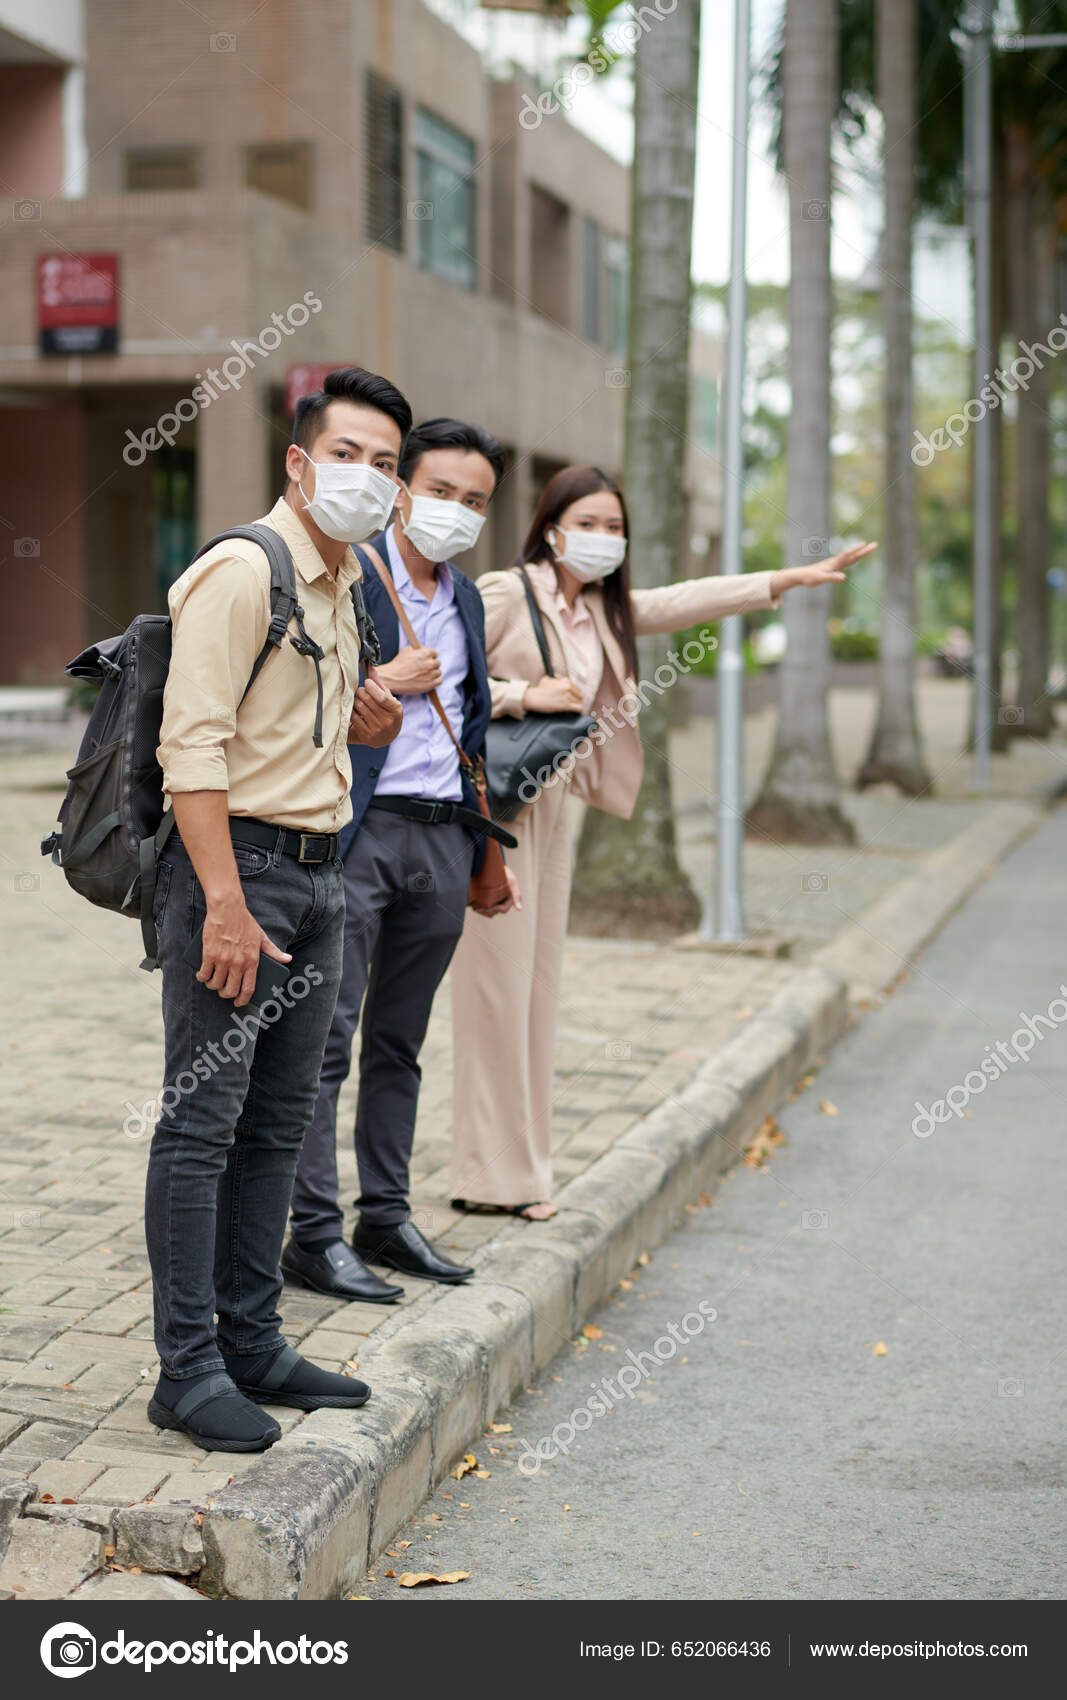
(477, 704)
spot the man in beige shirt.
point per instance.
(249, 911)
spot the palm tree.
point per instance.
(895, 752)
(1031, 113)
(800, 797)
(628, 872)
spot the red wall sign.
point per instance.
(78, 303)
(302, 380)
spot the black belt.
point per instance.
(443, 814)
(305, 846)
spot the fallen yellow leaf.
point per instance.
(881, 1350)
(499, 1428)
(827, 1108)
(416, 1579)
(767, 1135)
(591, 1331)
(466, 1464)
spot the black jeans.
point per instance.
(406, 890)
(239, 1089)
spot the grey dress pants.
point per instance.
(406, 896)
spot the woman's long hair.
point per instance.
(565, 487)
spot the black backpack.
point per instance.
(112, 823)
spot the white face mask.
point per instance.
(351, 503)
(440, 529)
(589, 555)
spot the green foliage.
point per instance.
(708, 665)
(939, 167)
(942, 376)
(853, 646)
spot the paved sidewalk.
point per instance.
(82, 1052)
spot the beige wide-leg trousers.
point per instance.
(505, 997)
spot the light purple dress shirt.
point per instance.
(422, 760)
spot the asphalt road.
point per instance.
(781, 1452)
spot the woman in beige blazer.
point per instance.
(505, 973)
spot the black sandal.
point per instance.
(474, 1208)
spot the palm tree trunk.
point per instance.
(994, 423)
(895, 754)
(1035, 304)
(800, 796)
(628, 875)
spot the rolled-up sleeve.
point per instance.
(508, 697)
(220, 610)
(675, 606)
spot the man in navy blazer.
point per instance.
(415, 838)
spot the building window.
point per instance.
(444, 209)
(592, 281)
(282, 169)
(550, 256)
(384, 126)
(706, 412)
(162, 168)
(617, 260)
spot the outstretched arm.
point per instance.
(827, 571)
(672, 607)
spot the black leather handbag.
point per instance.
(521, 756)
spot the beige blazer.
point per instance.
(610, 776)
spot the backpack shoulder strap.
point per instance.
(370, 646)
(283, 599)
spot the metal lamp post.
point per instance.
(724, 920)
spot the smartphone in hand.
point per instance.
(270, 978)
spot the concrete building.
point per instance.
(292, 187)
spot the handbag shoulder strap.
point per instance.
(535, 616)
(389, 586)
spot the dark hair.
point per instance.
(349, 383)
(563, 488)
(449, 434)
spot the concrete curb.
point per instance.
(305, 1522)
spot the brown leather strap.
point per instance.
(409, 632)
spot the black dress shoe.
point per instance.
(404, 1248)
(338, 1272)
